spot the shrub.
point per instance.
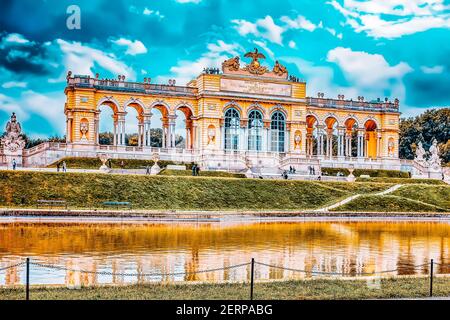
(95, 163)
(370, 172)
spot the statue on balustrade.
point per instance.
(420, 153)
(434, 161)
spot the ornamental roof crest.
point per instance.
(232, 66)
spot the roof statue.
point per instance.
(254, 66)
(232, 66)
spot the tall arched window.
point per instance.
(232, 126)
(277, 132)
(255, 128)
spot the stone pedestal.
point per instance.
(155, 169)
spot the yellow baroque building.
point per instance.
(239, 117)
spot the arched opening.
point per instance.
(371, 139)
(134, 125)
(232, 127)
(277, 132)
(159, 126)
(107, 124)
(351, 138)
(311, 135)
(183, 128)
(330, 142)
(255, 130)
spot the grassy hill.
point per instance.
(173, 192)
(409, 198)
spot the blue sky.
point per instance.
(375, 48)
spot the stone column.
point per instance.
(378, 144)
(147, 126)
(222, 137)
(320, 150)
(360, 146)
(164, 134)
(340, 142)
(172, 133)
(123, 132)
(188, 139)
(115, 133)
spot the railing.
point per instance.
(350, 104)
(429, 268)
(87, 82)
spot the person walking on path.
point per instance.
(194, 170)
(122, 165)
(57, 167)
(147, 169)
(197, 170)
(64, 166)
(14, 164)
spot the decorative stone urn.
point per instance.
(351, 177)
(248, 164)
(103, 158)
(155, 169)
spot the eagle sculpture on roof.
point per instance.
(254, 66)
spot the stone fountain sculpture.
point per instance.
(12, 142)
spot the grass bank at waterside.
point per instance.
(84, 190)
(395, 287)
(23, 189)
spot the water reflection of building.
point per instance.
(345, 248)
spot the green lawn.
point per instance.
(296, 289)
(435, 195)
(171, 192)
(389, 203)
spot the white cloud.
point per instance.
(265, 28)
(14, 84)
(81, 59)
(432, 70)
(263, 45)
(292, 44)
(149, 12)
(186, 70)
(404, 17)
(16, 38)
(133, 47)
(368, 70)
(369, 75)
(300, 23)
(49, 106)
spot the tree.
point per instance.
(432, 124)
